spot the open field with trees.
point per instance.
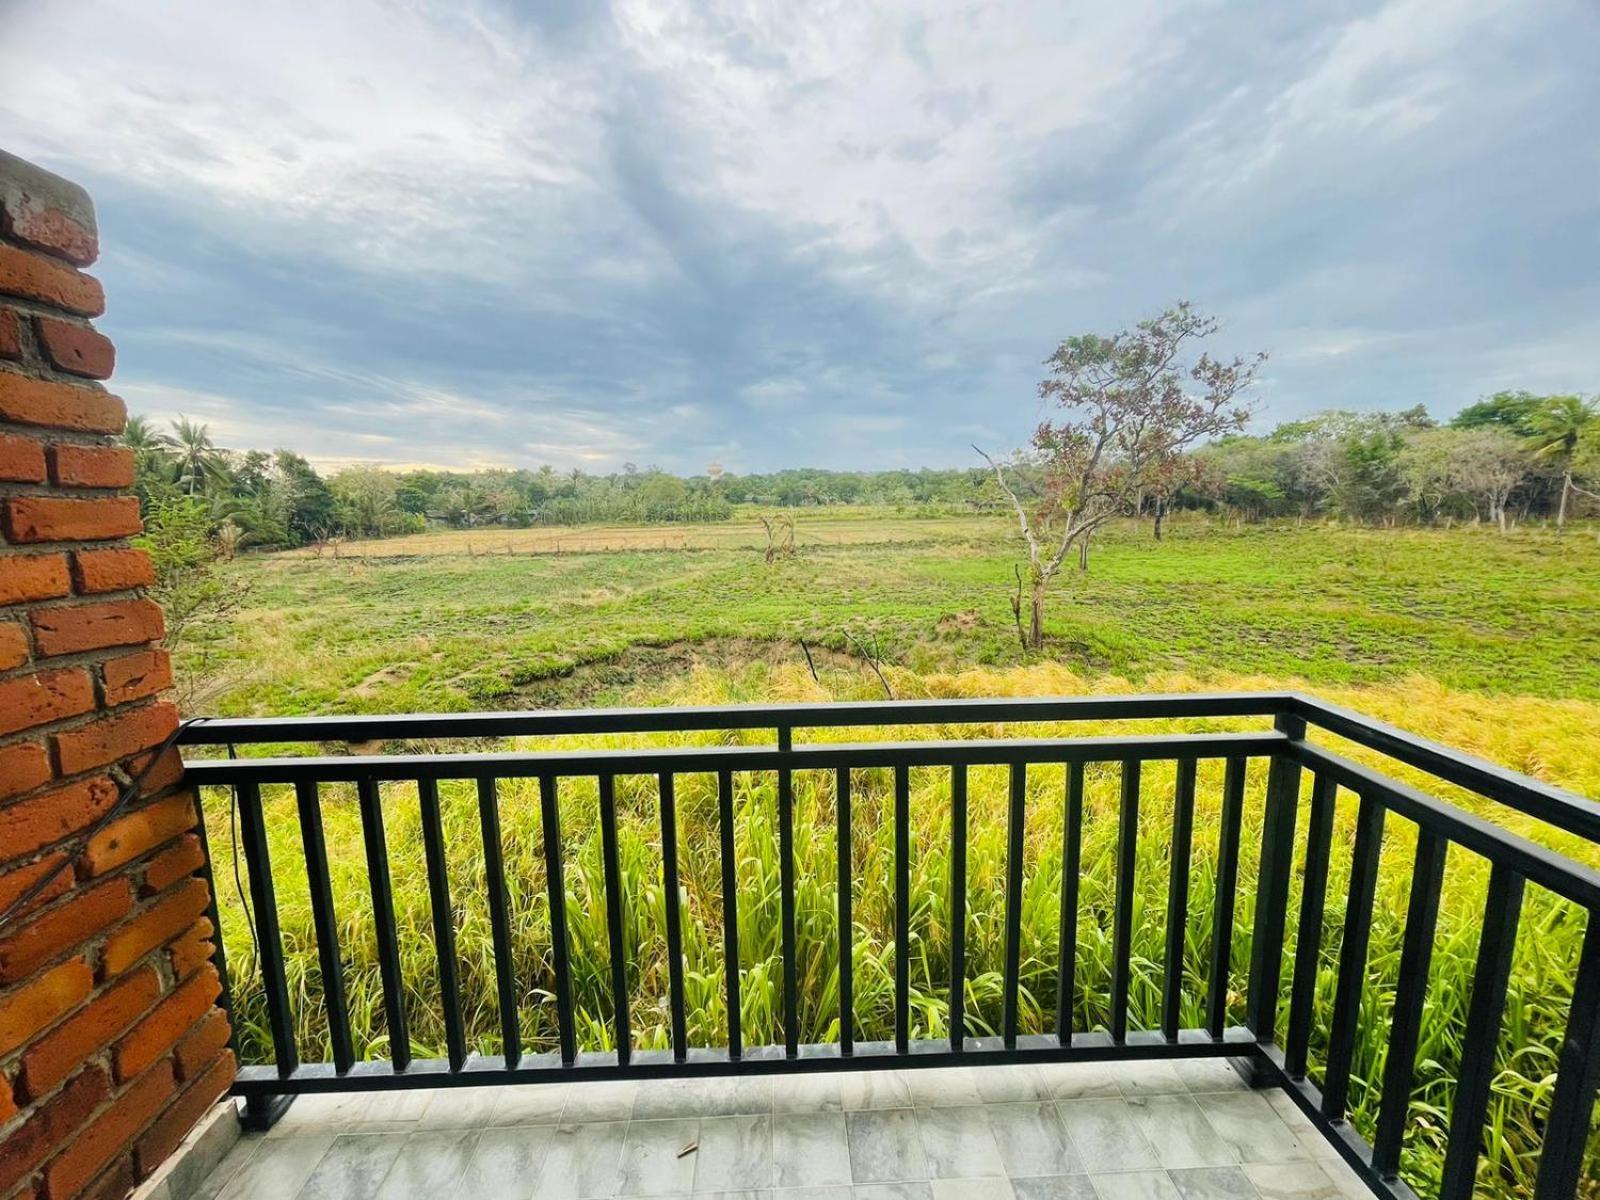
(1490, 643)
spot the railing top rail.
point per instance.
(693, 759)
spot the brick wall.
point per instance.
(111, 1044)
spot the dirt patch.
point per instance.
(961, 622)
(384, 677)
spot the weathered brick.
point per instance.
(38, 699)
(26, 577)
(163, 775)
(184, 857)
(13, 649)
(68, 629)
(17, 880)
(162, 1026)
(108, 1133)
(89, 1030)
(76, 348)
(120, 734)
(112, 570)
(42, 1000)
(113, 1183)
(57, 519)
(126, 838)
(45, 819)
(163, 1137)
(72, 465)
(35, 277)
(29, 401)
(23, 767)
(10, 333)
(44, 210)
(59, 929)
(8, 1103)
(193, 950)
(160, 923)
(202, 1044)
(135, 676)
(21, 459)
(51, 1126)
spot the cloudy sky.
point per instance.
(480, 232)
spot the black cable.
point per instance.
(128, 795)
(233, 845)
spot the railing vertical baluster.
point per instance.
(902, 910)
(1272, 888)
(1227, 885)
(616, 945)
(1071, 869)
(1352, 958)
(1308, 945)
(847, 932)
(1178, 897)
(1566, 1133)
(253, 834)
(444, 924)
(219, 957)
(1422, 917)
(556, 887)
(958, 907)
(377, 848)
(1501, 914)
(1122, 916)
(791, 986)
(319, 883)
(730, 913)
(494, 874)
(669, 882)
(1015, 818)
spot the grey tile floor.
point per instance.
(1162, 1131)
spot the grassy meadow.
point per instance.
(1488, 643)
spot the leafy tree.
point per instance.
(1513, 411)
(1132, 407)
(198, 460)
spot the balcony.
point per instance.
(964, 946)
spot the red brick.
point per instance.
(23, 273)
(86, 1032)
(59, 929)
(8, 1103)
(25, 577)
(76, 348)
(72, 465)
(129, 837)
(58, 519)
(168, 1021)
(51, 1126)
(21, 459)
(108, 1133)
(45, 819)
(185, 857)
(69, 629)
(30, 213)
(18, 880)
(10, 333)
(23, 767)
(114, 1183)
(32, 700)
(38, 1003)
(160, 923)
(174, 1125)
(121, 734)
(166, 773)
(29, 401)
(203, 1043)
(193, 950)
(135, 676)
(112, 570)
(13, 649)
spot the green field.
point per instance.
(1489, 643)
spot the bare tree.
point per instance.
(1131, 407)
(1488, 464)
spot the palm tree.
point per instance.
(1558, 427)
(142, 437)
(198, 456)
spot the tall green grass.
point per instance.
(1525, 1057)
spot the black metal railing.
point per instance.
(1255, 1044)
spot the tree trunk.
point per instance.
(1561, 510)
(1036, 617)
(1161, 515)
(1083, 553)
